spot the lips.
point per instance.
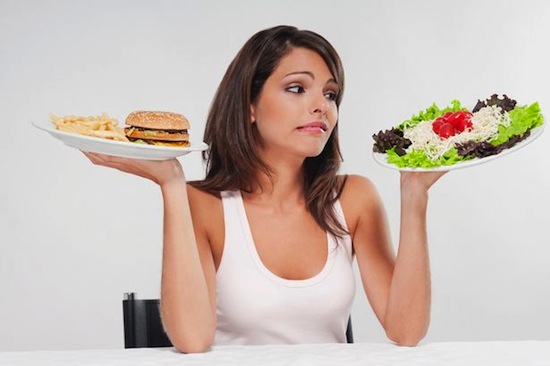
(314, 126)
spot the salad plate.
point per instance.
(382, 159)
(455, 137)
(118, 148)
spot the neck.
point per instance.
(286, 185)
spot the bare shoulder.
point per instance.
(202, 197)
(206, 207)
(207, 214)
(359, 197)
(358, 189)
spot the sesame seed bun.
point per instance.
(157, 120)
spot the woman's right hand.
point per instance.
(160, 172)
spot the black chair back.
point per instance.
(349, 331)
(143, 325)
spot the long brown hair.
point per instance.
(233, 160)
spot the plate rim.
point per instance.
(381, 158)
(122, 144)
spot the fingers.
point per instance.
(437, 175)
(156, 171)
(107, 160)
(132, 166)
(97, 159)
(94, 158)
(421, 179)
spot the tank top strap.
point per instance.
(345, 241)
(235, 237)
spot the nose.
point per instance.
(320, 105)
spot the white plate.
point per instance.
(382, 159)
(118, 148)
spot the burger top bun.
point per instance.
(157, 120)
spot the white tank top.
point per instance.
(255, 306)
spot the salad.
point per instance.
(446, 136)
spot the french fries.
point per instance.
(101, 126)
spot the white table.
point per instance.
(520, 353)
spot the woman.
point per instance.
(261, 250)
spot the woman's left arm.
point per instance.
(398, 287)
(407, 315)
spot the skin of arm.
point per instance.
(397, 287)
(188, 274)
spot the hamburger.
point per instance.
(157, 128)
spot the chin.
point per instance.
(305, 149)
(312, 152)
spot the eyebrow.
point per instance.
(310, 74)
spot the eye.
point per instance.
(331, 95)
(295, 89)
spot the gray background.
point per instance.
(74, 237)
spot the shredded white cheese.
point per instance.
(485, 124)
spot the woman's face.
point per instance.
(296, 109)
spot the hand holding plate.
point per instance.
(158, 171)
(419, 182)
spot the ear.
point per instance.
(252, 113)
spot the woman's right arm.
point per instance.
(188, 272)
(188, 302)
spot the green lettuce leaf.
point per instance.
(522, 119)
(419, 159)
